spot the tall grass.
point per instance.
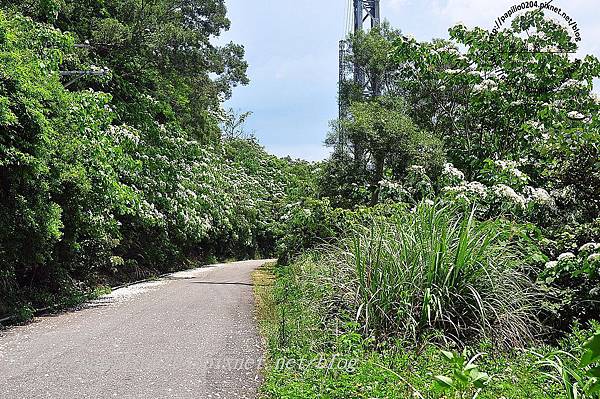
(432, 270)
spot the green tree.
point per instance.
(484, 100)
(163, 63)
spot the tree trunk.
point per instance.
(377, 177)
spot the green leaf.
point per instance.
(477, 375)
(444, 381)
(593, 351)
(594, 372)
(448, 355)
(594, 388)
(593, 344)
(461, 376)
(470, 367)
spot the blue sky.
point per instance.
(292, 51)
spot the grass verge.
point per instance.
(311, 356)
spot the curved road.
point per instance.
(190, 335)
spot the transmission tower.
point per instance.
(364, 14)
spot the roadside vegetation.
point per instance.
(448, 248)
(123, 173)
(453, 249)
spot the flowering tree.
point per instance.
(491, 100)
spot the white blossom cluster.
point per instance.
(575, 115)
(477, 73)
(467, 190)
(566, 256)
(539, 196)
(589, 247)
(486, 85)
(390, 184)
(589, 252)
(418, 169)
(450, 171)
(511, 167)
(572, 84)
(452, 71)
(506, 192)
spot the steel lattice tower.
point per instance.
(365, 13)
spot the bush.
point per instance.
(86, 199)
(306, 224)
(299, 327)
(573, 283)
(432, 269)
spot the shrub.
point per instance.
(434, 268)
(574, 283)
(306, 224)
(575, 368)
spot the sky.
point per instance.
(292, 52)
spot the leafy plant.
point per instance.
(590, 362)
(465, 377)
(407, 274)
(580, 378)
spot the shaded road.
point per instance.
(190, 335)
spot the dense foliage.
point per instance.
(103, 186)
(459, 209)
(433, 270)
(470, 184)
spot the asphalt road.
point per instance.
(190, 335)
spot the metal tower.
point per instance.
(364, 14)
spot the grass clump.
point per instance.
(431, 270)
(298, 326)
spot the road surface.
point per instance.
(190, 335)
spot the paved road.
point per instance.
(190, 335)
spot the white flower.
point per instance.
(501, 164)
(429, 202)
(536, 125)
(550, 49)
(566, 256)
(593, 258)
(511, 167)
(477, 73)
(538, 195)
(572, 84)
(417, 169)
(551, 264)
(478, 188)
(590, 246)
(575, 115)
(487, 84)
(502, 190)
(451, 171)
(518, 173)
(453, 71)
